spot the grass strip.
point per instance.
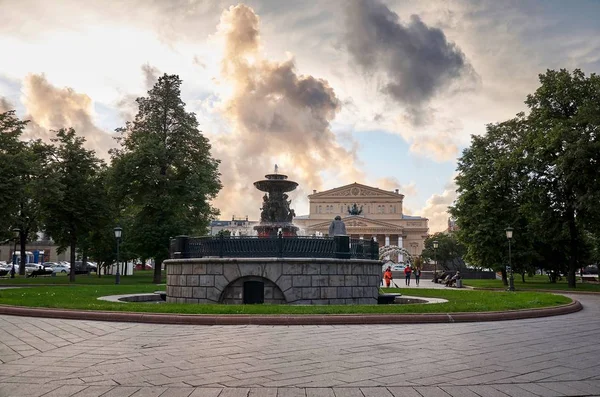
(84, 297)
(535, 283)
(139, 277)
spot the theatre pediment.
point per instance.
(355, 190)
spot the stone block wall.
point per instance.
(299, 280)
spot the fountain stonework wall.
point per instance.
(319, 281)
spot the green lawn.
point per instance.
(139, 277)
(85, 297)
(535, 282)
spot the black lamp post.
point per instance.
(511, 278)
(118, 231)
(17, 232)
(435, 247)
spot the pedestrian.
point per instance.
(337, 227)
(407, 273)
(417, 276)
(387, 276)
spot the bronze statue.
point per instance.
(355, 210)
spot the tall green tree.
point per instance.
(75, 209)
(537, 173)
(24, 180)
(562, 151)
(163, 174)
(489, 193)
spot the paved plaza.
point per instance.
(552, 356)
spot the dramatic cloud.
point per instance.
(276, 116)
(51, 108)
(5, 105)
(436, 208)
(416, 61)
(438, 140)
(391, 184)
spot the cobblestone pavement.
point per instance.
(553, 356)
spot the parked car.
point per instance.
(88, 267)
(56, 268)
(145, 267)
(29, 267)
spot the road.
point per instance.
(539, 357)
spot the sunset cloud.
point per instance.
(276, 116)
(436, 208)
(51, 108)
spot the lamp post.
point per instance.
(511, 278)
(435, 247)
(17, 232)
(118, 231)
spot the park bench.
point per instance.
(588, 277)
(40, 272)
(4, 273)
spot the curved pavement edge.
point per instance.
(334, 319)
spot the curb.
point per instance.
(335, 319)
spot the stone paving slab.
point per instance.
(554, 356)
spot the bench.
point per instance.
(4, 273)
(40, 272)
(588, 277)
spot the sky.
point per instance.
(384, 93)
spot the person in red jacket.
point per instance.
(407, 273)
(387, 276)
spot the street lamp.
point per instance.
(511, 278)
(17, 232)
(118, 231)
(435, 247)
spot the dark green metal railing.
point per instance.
(278, 247)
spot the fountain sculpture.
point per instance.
(276, 214)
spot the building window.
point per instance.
(320, 210)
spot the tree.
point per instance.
(562, 150)
(224, 233)
(163, 173)
(489, 193)
(24, 180)
(73, 210)
(537, 173)
(450, 251)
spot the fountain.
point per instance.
(275, 267)
(276, 214)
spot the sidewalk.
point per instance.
(425, 283)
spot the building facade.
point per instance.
(368, 212)
(237, 227)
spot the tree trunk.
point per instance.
(523, 276)
(504, 279)
(72, 259)
(157, 266)
(23, 247)
(573, 245)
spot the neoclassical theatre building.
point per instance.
(367, 212)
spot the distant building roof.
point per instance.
(220, 223)
(411, 217)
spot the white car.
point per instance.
(60, 269)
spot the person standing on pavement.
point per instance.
(417, 275)
(407, 273)
(387, 276)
